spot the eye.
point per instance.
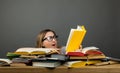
(50, 38)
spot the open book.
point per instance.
(5, 62)
(75, 38)
(79, 63)
(87, 53)
(33, 51)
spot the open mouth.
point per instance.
(53, 44)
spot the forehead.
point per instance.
(49, 34)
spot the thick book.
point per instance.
(46, 63)
(32, 56)
(59, 57)
(102, 56)
(75, 38)
(22, 61)
(12, 55)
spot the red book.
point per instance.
(85, 52)
(75, 54)
(93, 52)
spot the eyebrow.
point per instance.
(49, 36)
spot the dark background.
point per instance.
(22, 20)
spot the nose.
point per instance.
(54, 39)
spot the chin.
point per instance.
(53, 47)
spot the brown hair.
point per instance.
(40, 37)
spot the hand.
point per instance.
(55, 50)
(80, 49)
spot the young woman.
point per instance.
(48, 39)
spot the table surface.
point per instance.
(19, 68)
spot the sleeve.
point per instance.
(63, 51)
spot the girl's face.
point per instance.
(50, 41)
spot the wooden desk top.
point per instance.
(112, 68)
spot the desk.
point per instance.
(113, 68)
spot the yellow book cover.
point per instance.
(78, 64)
(92, 62)
(75, 39)
(75, 64)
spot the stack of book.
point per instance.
(26, 55)
(53, 61)
(28, 52)
(87, 56)
(40, 57)
(87, 53)
(50, 63)
(81, 56)
(73, 57)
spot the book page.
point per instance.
(84, 50)
(29, 50)
(5, 60)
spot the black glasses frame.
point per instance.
(50, 38)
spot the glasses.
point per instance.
(50, 38)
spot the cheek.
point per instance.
(46, 44)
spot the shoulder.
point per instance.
(62, 49)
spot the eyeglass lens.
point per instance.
(50, 38)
